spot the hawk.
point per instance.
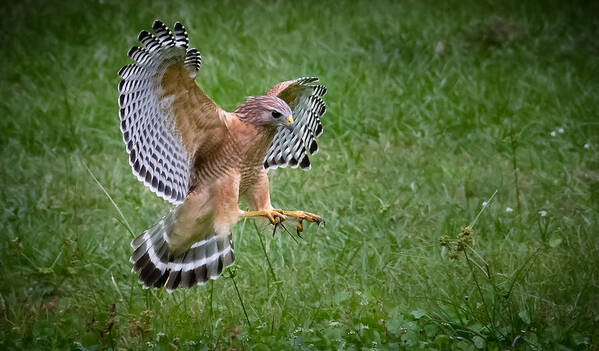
(202, 159)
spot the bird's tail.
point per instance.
(158, 266)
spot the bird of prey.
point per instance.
(202, 159)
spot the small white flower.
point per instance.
(560, 130)
(440, 47)
(587, 146)
(413, 186)
(509, 209)
(553, 133)
(543, 213)
(485, 204)
(374, 343)
(334, 323)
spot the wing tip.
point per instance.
(305, 162)
(313, 147)
(157, 24)
(306, 80)
(143, 35)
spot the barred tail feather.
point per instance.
(158, 266)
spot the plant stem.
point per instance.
(480, 292)
(272, 272)
(515, 166)
(473, 223)
(240, 299)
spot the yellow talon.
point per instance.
(272, 215)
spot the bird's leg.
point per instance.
(301, 216)
(272, 215)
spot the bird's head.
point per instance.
(266, 111)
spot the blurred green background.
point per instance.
(433, 107)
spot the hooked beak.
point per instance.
(289, 126)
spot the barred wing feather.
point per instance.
(291, 148)
(166, 119)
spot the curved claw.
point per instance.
(300, 228)
(275, 217)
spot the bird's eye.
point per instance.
(276, 114)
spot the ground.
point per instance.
(458, 174)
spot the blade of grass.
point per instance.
(232, 276)
(488, 202)
(122, 216)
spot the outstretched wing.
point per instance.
(166, 119)
(291, 148)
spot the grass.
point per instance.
(432, 108)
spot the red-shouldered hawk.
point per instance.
(189, 151)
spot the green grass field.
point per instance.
(433, 108)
